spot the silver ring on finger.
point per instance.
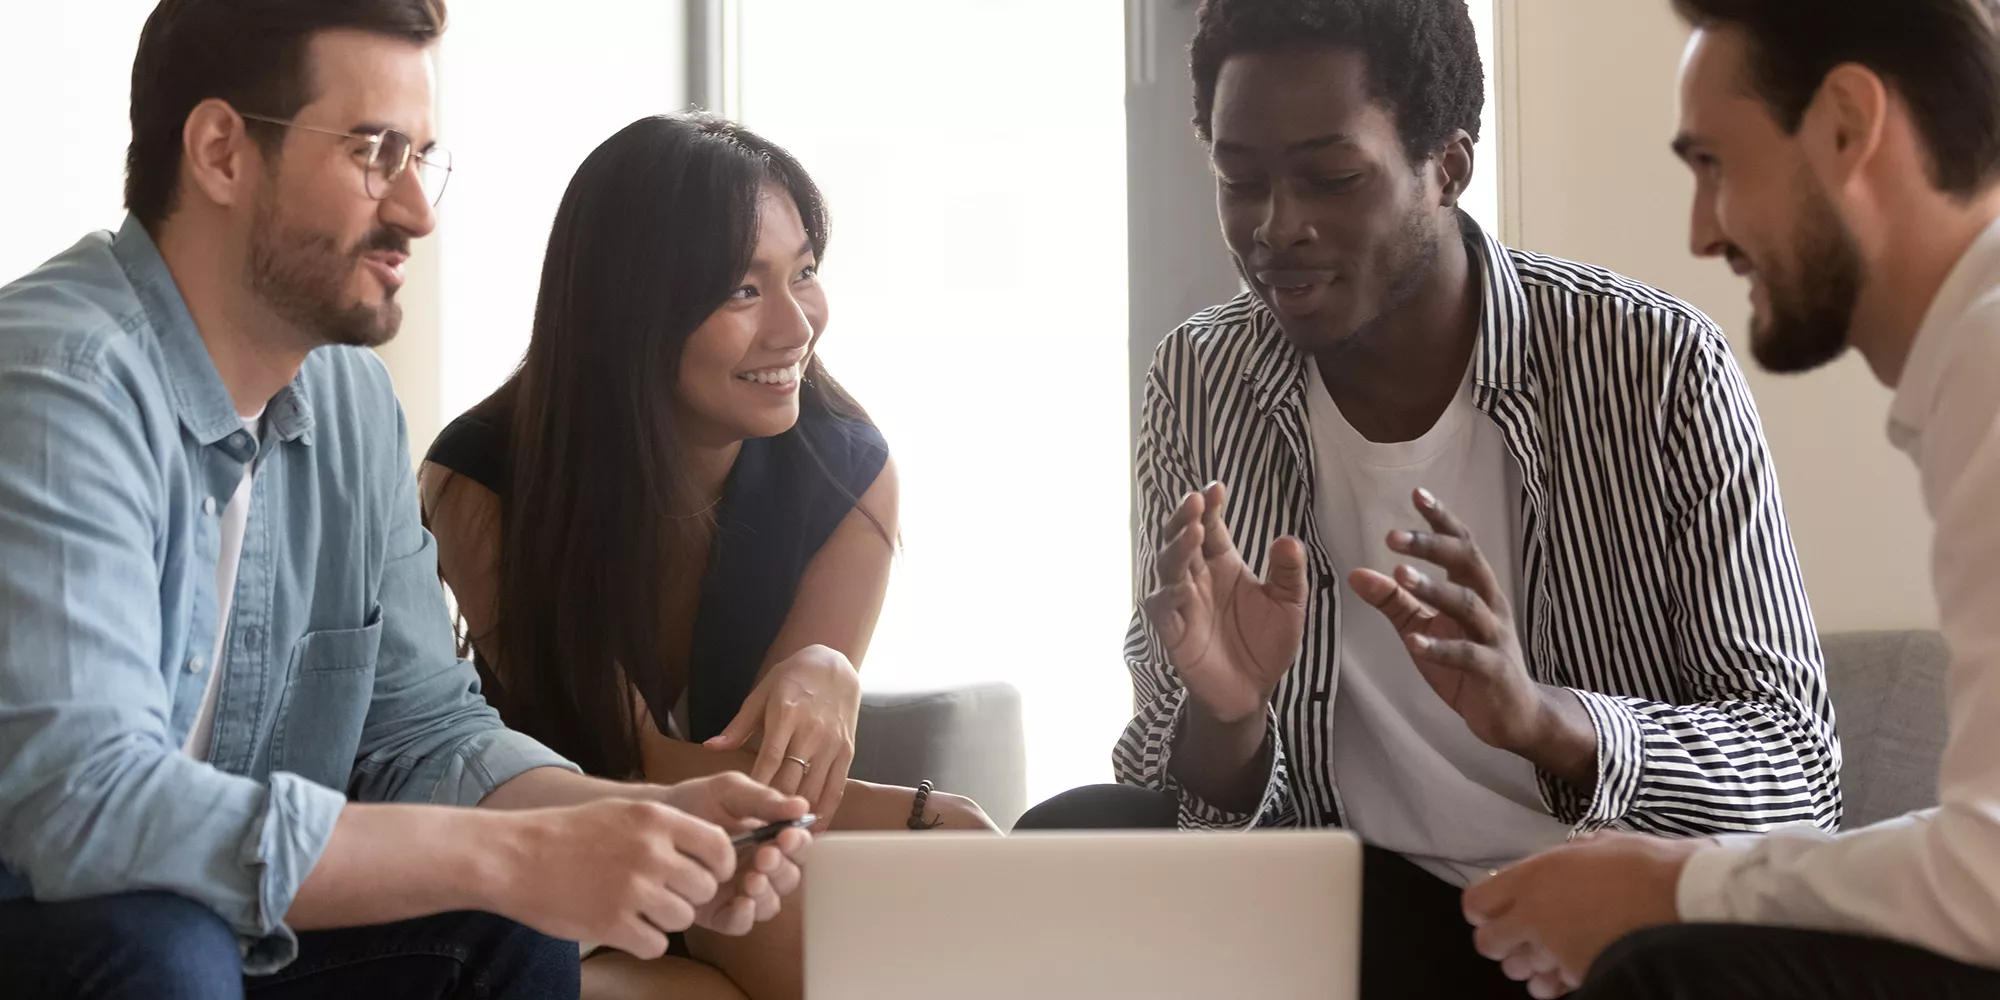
(805, 766)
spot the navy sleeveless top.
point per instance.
(782, 501)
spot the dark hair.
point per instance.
(657, 228)
(1942, 56)
(1422, 56)
(251, 53)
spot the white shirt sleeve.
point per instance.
(1931, 878)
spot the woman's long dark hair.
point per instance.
(656, 230)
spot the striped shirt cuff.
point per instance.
(1621, 759)
(1197, 813)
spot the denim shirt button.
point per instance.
(195, 665)
(208, 506)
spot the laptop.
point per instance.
(1155, 915)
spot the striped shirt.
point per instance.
(1659, 580)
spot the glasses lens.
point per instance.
(434, 172)
(387, 159)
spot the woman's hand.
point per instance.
(805, 711)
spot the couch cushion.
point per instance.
(1889, 708)
(967, 741)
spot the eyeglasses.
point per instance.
(390, 153)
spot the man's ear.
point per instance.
(1844, 125)
(1453, 166)
(219, 159)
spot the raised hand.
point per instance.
(1229, 636)
(1460, 634)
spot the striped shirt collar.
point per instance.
(1278, 371)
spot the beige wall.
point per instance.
(415, 357)
(1588, 88)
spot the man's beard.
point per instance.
(1410, 261)
(302, 275)
(1812, 307)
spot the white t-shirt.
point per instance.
(1413, 778)
(235, 517)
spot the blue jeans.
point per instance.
(165, 947)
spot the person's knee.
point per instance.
(517, 962)
(1658, 963)
(153, 945)
(1103, 807)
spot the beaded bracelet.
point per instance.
(917, 821)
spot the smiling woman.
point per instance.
(670, 531)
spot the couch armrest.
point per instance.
(967, 741)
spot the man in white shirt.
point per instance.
(1847, 160)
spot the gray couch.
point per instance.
(1888, 695)
(965, 740)
(1889, 707)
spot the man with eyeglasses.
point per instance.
(232, 728)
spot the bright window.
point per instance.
(67, 71)
(524, 95)
(973, 154)
(1482, 199)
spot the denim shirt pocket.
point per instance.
(332, 681)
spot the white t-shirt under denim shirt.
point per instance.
(235, 515)
(1413, 777)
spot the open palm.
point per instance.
(1228, 635)
(1459, 630)
(1412, 617)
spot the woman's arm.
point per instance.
(840, 594)
(464, 517)
(839, 597)
(802, 714)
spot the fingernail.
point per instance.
(1400, 539)
(1421, 642)
(1424, 497)
(1409, 577)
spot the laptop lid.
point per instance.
(1159, 915)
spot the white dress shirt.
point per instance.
(1930, 878)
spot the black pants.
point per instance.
(1415, 942)
(1718, 962)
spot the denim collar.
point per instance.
(200, 398)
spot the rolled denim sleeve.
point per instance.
(95, 797)
(430, 736)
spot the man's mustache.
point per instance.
(383, 239)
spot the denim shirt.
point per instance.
(119, 447)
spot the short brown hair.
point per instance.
(251, 53)
(1941, 56)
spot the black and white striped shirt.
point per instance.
(1659, 579)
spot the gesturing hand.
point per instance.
(1460, 634)
(1228, 635)
(805, 709)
